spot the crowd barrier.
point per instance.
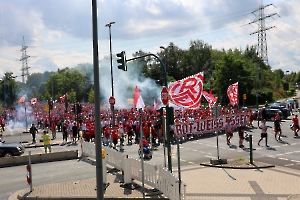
(154, 176)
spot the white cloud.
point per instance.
(59, 33)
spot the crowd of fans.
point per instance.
(127, 121)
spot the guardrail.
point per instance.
(38, 158)
(154, 176)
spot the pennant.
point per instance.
(62, 98)
(22, 100)
(210, 98)
(187, 92)
(232, 93)
(138, 100)
(156, 104)
(33, 101)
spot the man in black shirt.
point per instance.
(33, 130)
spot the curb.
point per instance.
(39, 145)
(237, 167)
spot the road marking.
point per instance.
(289, 152)
(288, 165)
(297, 161)
(209, 156)
(294, 143)
(192, 163)
(283, 158)
(280, 154)
(271, 156)
(195, 150)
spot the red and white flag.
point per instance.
(233, 94)
(210, 98)
(138, 100)
(156, 104)
(33, 101)
(22, 100)
(62, 98)
(187, 92)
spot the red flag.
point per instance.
(62, 98)
(33, 101)
(232, 93)
(210, 98)
(138, 100)
(22, 100)
(187, 92)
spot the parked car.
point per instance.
(293, 102)
(269, 113)
(282, 106)
(12, 149)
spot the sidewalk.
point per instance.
(202, 183)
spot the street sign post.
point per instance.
(164, 96)
(112, 100)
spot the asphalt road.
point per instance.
(13, 179)
(194, 151)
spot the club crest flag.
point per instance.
(210, 98)
(22, 100)
(138, 100)
(232, 93)
(187, 92)
(33, 101)
(62, 98)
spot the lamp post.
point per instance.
(286, 87)
(111, 75)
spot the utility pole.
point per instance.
(262, 31)
(25, 71)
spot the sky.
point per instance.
(58, 33)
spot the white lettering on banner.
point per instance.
(209, 125)
(194, 128)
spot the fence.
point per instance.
(154, 176)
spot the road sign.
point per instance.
(164, 96)
(112, 100)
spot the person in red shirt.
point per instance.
(145, 145)
(295, 126)
(53, 129)
(115, 136)
(106, 135)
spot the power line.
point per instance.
(261, 32)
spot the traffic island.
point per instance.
(238, 163)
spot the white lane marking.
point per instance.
(283, 158)
(288, 165)
(209, 156)
(289, 152)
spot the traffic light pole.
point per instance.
(167, 106)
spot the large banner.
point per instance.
(209, 125)
(187, 92)
(233, 94)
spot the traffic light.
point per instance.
(122, 60)
(159, 115)
(73, 108)
(170, 112)
(79, 108)
(286, 86)
(50, 103)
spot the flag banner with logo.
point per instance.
(33, 101)
(22, 99)
(210, 98)
(232, 93)
(138, 100)
(187, 92)
(62, 98)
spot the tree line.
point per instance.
(221, 68)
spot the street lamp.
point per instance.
(111, 74)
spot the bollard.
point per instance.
(250, 148)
